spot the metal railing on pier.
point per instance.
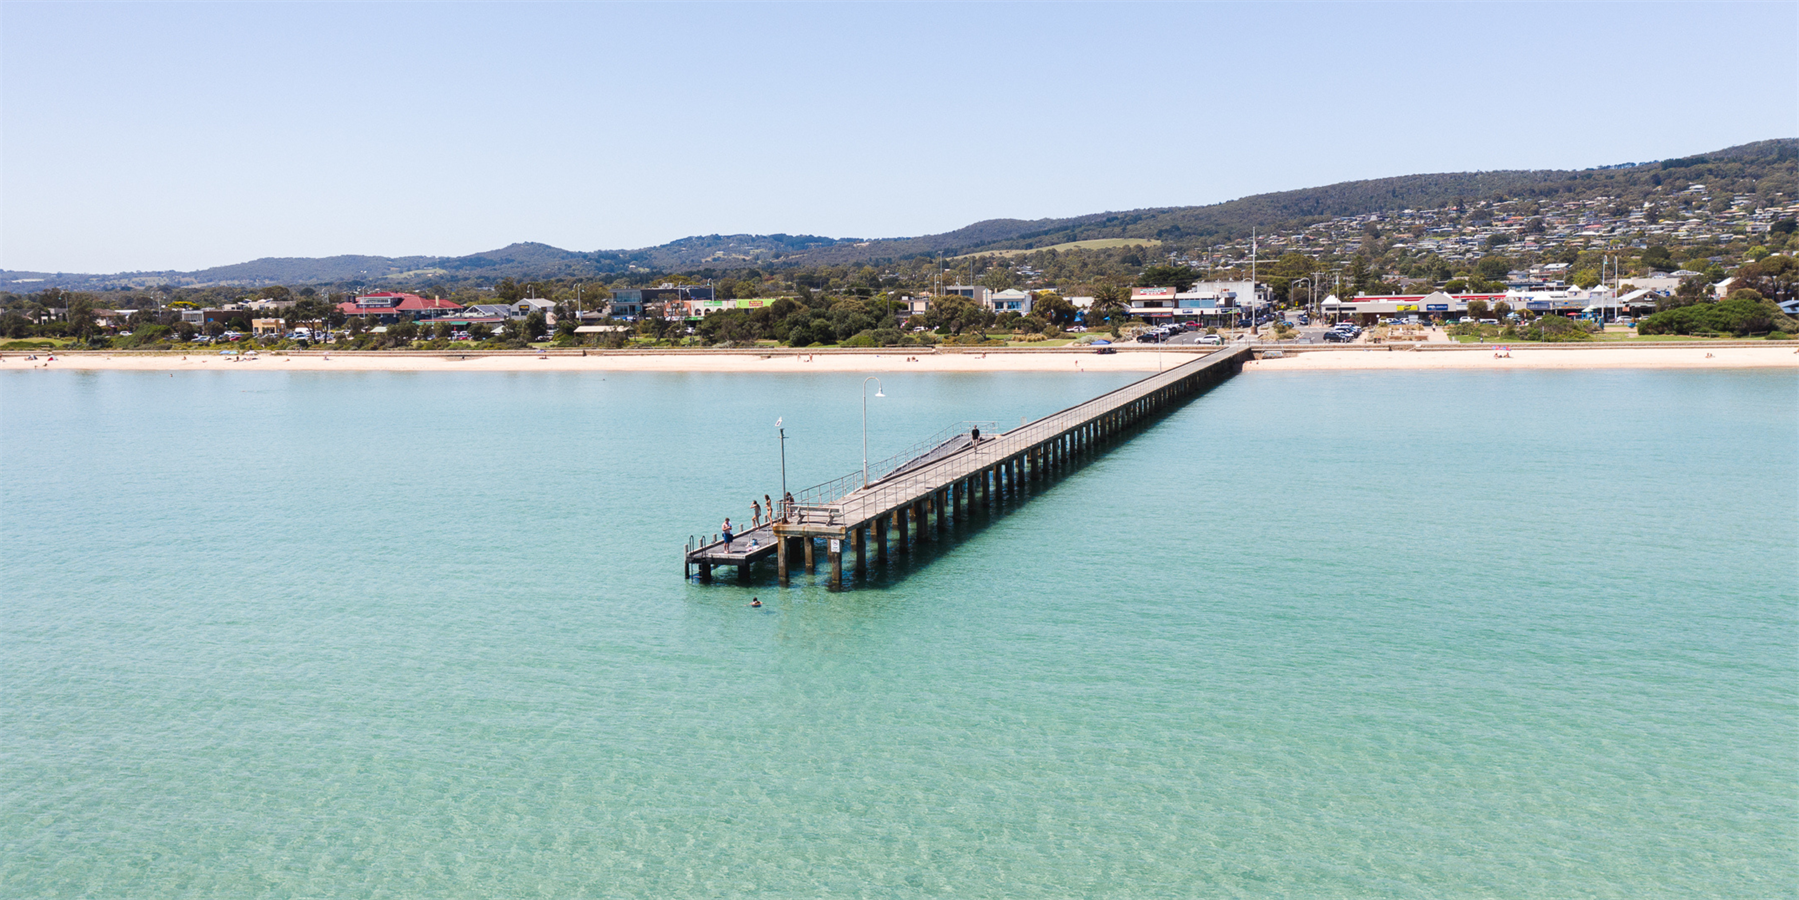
(838, 488)
(889, 493)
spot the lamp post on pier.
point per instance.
(783, 431)
(878, 393)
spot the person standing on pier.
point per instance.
(755, 514)
(769, 506)
(726, 528)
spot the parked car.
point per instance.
(1338, 336)
(1211, 340)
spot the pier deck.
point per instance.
(956, 474)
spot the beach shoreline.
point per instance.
(1485, 357)
(1489, 357)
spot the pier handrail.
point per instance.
(893, 492)
(838, 488)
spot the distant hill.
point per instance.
(1734, 168)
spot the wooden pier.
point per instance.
(950, 478)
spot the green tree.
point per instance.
(1361, 277)
(82, 322)
(1744, 312)
(1168, 275)
(1774, 277)
(1109, 306)
(998, 278)
(1053, 308)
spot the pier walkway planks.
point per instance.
(952, 478)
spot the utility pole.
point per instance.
(1255, 295)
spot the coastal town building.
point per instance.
(499, 312)
(1600, 302)
(1010, 300)
(529, 305)
(1368, 310)
(391, 307)
(635, 303)
(971, 291)
(1205, 301)
(699, 309)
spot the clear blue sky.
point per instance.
(154, 135)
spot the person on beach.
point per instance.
(755, 514)
(726, 529)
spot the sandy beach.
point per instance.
(1490, 357)
(750, 361)
(1485, 357)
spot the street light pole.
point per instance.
(1305, 278)
(878, 393)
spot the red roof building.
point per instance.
(390, 306)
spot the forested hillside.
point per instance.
(1745, 169)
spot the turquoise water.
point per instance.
(1524, 634)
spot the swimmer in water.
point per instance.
(755, 603)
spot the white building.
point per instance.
(1207, 299)
(1011, 300)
